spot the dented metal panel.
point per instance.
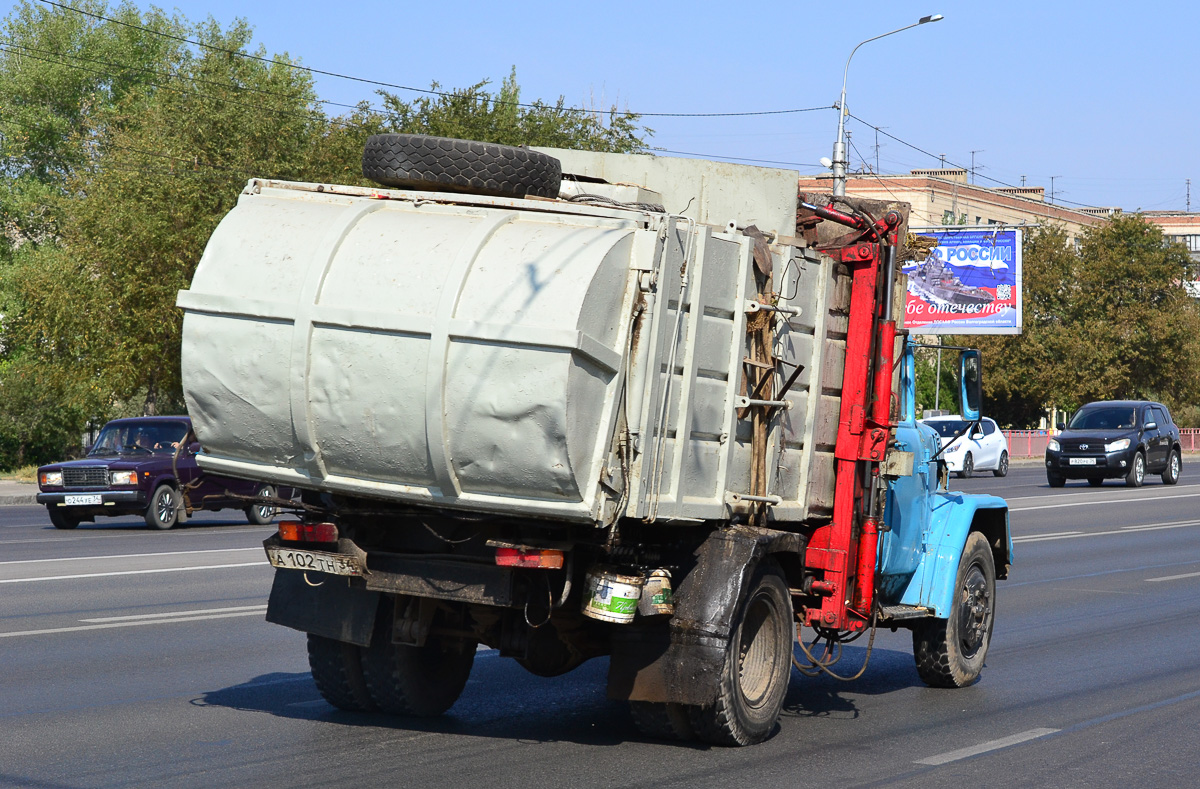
(494, 354)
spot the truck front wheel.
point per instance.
(758, 665)
(337, 672)
(410, 680)
(950, 652)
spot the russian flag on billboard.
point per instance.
(969, 284)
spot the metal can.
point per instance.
(611, 595)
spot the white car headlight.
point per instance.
(51, 479)
(1052, 445)
(124, 478)
(1119, 444)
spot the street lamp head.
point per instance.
(931, 18)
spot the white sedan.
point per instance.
(985, 449)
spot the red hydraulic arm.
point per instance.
(845, 548)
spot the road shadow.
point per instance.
(889, 670)
(502, 700)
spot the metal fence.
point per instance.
(1032, 443)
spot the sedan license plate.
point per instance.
(83, 500)
(332, 563)
(1082, 461)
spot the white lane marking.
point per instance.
(1102, 502)
(176, 613)
(138, 623)
(1047, 536)
(130, 572)
(1122, 530)
(985, 747)
(1174, 577)
(1093, 494)
(130, 555)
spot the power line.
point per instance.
(427, 91)
(733, 158)
(943, 158)
(161, 72)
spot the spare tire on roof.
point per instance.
(444, 164)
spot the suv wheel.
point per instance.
(1137, 471)
(1170, 475)
(1055, 481)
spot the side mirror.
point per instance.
(1151, 425)
(1062, 425)
(193, 448)
(970, 384)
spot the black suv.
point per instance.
(1116, 439)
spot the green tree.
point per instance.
(122, 146)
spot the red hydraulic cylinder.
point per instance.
(868, 549)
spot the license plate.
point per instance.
(1082, 461)
(83, 500)
(332, 563)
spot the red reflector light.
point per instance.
(517, 557)
(295, 531)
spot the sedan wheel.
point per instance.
(1002, 469)
(163, 512)
(261, 514)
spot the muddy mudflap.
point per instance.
(335, 607)
(680, 661)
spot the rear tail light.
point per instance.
(529, 557)
(295, 531)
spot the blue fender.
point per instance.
(952, 518)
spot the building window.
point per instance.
(947, 217)
(1192, 242)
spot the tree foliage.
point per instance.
(1109, 320)
(122, 146)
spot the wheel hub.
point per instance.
(975, 612)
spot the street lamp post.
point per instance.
(839, 145)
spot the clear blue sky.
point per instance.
(1100, 94)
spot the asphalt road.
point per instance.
(131, 657)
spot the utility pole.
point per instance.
(1052, 186)
(942, 161)
(1189, 195)
(981, 150)
(838, 164)
(1022, 182)
(877, 128)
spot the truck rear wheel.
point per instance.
(411, 680)
(758, 665)
(662, 720)
(444, 164)
(950, 652)
(337, 671)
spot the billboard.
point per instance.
(969, 284)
